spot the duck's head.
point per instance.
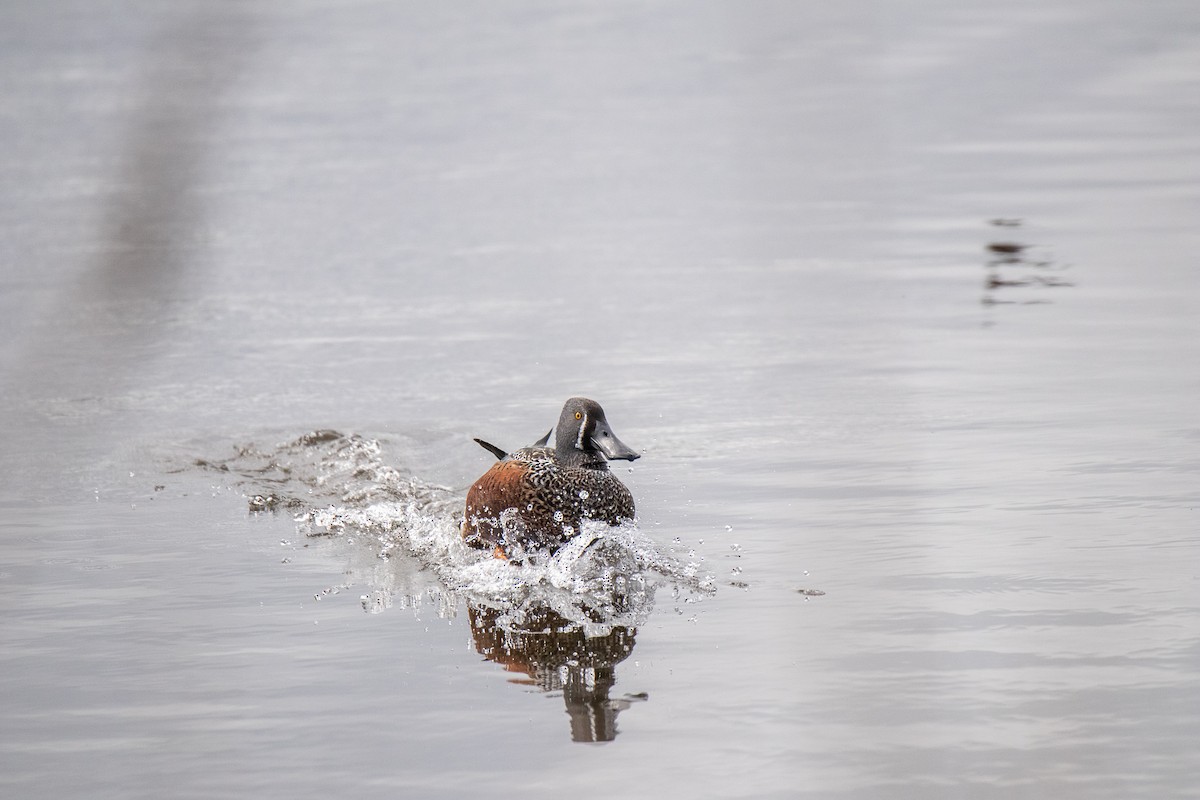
(582, 435)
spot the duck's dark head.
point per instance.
(583, 436)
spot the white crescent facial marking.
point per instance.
(582, 428)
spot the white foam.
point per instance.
(409, 552)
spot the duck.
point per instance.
(537, 497)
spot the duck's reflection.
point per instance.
(557, 657)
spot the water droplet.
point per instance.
(558, 516)
(584, 494)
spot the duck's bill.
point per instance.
(613, 448)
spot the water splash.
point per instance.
(404, 542)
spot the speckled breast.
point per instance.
(531, 499)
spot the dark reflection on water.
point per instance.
(1013, 264)
(557, 656)
(152, 232)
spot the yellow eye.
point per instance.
(578, 415)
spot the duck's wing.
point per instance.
(500, 454)
(491, 448)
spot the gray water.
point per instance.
(899, 303)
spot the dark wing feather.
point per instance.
(491, 448)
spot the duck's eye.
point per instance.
(578, 415)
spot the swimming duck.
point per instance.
(537, 496)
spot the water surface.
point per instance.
(898, 304)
